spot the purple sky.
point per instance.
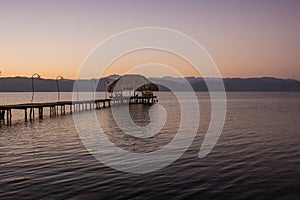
(244, 38)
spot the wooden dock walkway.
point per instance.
(62, 107)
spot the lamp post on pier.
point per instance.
(105, 84)
(59, 77)
(76, 85)
(93, 81)
(35, 75)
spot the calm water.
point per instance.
(257, 156)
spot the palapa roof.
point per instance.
(132, 82)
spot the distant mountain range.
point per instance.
(24, 84)
(237, 84)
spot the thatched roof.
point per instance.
(132, 82)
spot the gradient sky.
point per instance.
(245, 38)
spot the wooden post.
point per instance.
(10, 115)
(25, 114)
(30, 114)
(7, 119)
(41, 113)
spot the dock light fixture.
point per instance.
(35, 75)
(59, 77)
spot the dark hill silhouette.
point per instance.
(241, 84)
(253, 84)
(23, 84)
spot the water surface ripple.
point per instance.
(257, 156)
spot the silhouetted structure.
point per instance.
(55, 108)
(132, 89)
(2, 115)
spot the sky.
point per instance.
(244, 38)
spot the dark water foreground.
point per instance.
(257, 156)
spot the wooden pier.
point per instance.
(63, 107)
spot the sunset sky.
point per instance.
(245, 38)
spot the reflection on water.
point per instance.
(140, 116)
(257, 156)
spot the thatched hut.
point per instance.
(132, 85)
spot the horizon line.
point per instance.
(253, 77)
